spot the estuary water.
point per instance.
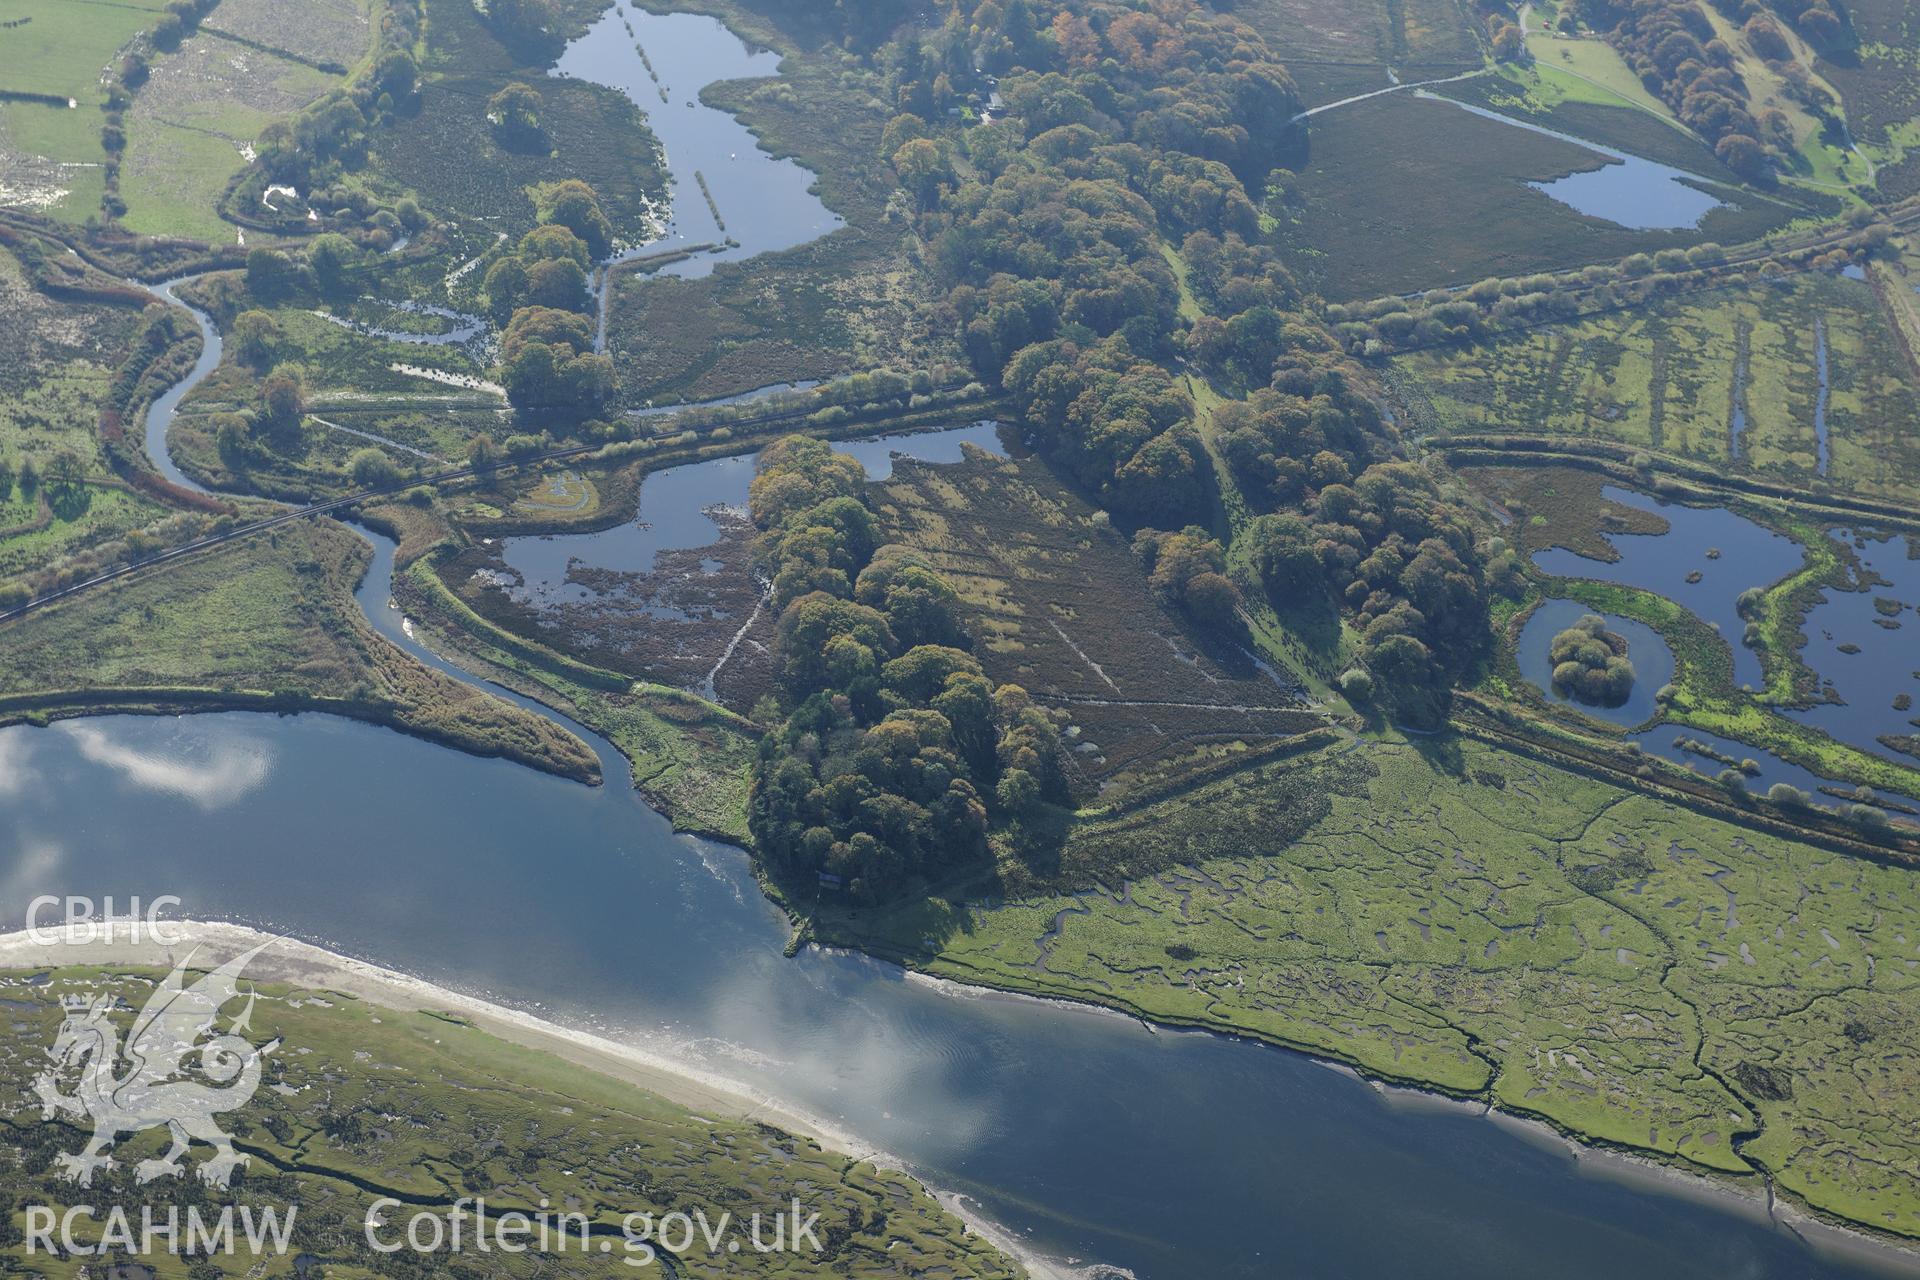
(1118, 1149)
(1173, 1155)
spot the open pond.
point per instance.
(1704, 560)
(1621, 188)
(677, 507)
(1651, 658)
(1865, 647)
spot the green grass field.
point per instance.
(189, 123)
(1815, 159)
(67, 43)
(58, 364)
(1585, 70)
(205, 102)
(63, 48)
(51, 159)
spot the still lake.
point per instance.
(727, 191)
(1651, 657)
(1861, 643)
(1621, 188)
(1707, 557)
(673, 513)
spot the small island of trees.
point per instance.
(1590, 663)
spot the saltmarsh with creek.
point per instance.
(1504, 901)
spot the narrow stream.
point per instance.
(466, 327)
(161, 413)
(1820, 402)
(1169, 1154)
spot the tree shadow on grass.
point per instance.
(69, 502)
(1314, 622)
(1040, 845)
(1441, 751)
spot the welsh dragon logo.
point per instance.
(163, 1055)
